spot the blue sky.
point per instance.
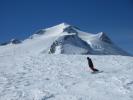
(21, 18)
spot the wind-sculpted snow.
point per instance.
(64, 77)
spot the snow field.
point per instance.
(65, 77)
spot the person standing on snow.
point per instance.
(91, 66)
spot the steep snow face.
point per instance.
(67, 39)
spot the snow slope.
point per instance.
(65, 77)
(29, 72)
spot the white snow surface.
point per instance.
(65, 77)
(27, 72)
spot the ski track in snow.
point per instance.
(65, 77)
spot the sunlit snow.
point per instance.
(28, 72)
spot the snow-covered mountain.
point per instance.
(68, 39)
(39, 68)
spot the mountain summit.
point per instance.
(39, 68)
(68, 39)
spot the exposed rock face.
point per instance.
(104, 37)
(70, 29)
(12, 41)
(3, 44)
(69, 44)
(40, 32)
(15, 41)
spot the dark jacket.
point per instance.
(90, 63)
